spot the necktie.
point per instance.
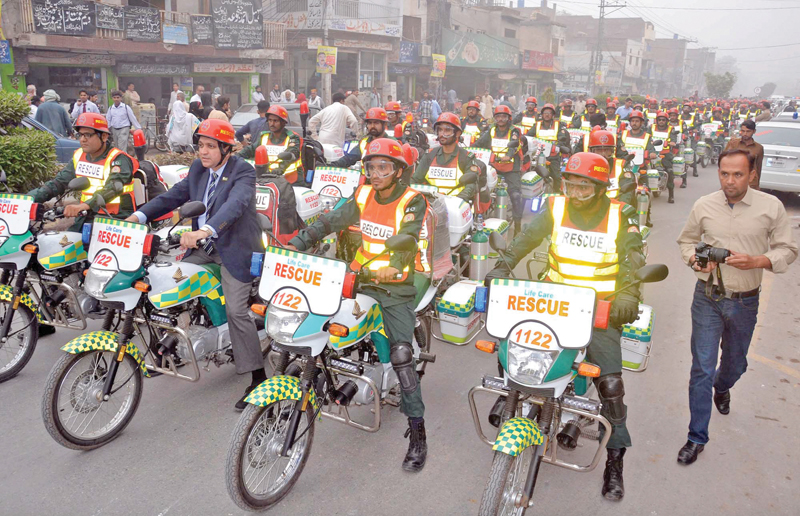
(84, 107)
(209, 245)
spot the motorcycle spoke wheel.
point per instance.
(257, 475)
(505, 484)
(22, 337)
(73, 409)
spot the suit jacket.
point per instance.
(232, 212)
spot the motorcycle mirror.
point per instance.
(468, 179)
(191, 210)
(542, 171)
(264, 222)
(3, 177)
(79, 183)
(627, 188)
(285, 156)
(513, 144)
(401, 243)
(652, 273)
(656, 143)
(496, 241)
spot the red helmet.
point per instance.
(279, 111)
(386, 148)
(220, 130)
(662, 114)
(591, 102)
(636, 114)
(611, 105)
(672, 111)
(448, 118)
(716, 108)
(376, 113)
(589, 165)
(531, 99)
(94, 121)
(393, 106)
(726, 106)
(568, 102)
(502, 109)
(473, 103)
(410, 154)
(601, 138)
(653, 100)
(549, 106)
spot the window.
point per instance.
(511, 33)
(412, 28)
(780, 136)
(291, 6)
(371, 73)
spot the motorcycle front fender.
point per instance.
(516, 435)
(6, 294)
(277, 388)
(103, 341)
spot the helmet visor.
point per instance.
(579, 190)
(378, 168)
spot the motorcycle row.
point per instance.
(323, 336)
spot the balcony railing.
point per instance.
(355, 10)
(274, 32)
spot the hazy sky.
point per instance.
(769, 22)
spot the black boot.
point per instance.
(417, 447)
(517, 227)
(46, 329)
(671, 198)
(613, 487)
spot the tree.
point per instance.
(720, 85)
(767, 90)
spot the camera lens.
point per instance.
(717, 254)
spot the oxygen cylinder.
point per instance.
(642, 207)
(479, 253)
(501, 201)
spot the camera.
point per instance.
(705, 253)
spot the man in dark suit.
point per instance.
(226, 185)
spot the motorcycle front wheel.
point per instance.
(703, 162)
(73, 409)
(256, 474)
(161, 143)
(21, 343)
(506, 482)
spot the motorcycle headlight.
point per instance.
(281, 324)
(529, 366)
(96, 282)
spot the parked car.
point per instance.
(65, 147)
(780, 170)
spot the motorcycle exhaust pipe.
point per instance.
(167, 345)
(496, 414)
(568, 436)
(345, 393)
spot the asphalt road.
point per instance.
(170, 458)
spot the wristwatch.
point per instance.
(209, 229)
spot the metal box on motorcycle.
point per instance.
(688, 156)
(458, 320)
(307, 204)
(679, 166)
(637, 339)
(459, 218)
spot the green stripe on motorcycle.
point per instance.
(6, 294)
(280, 387)
(516, 435)
(15, 196)
(103, 341)
(120, 223)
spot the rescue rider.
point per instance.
(386, 203)
(553, 131)
(661, 130)
(394, 116)
(443, 166)
(473, 125)
(567, 115)
(605, 143)
(278, 140)
(639, 140)
(507, 160)
(682, 137)
(610, 264)
(527, 118)
(612, 118)
(584, 121)
(109, 171)
(376, 119)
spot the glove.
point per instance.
(624, 309)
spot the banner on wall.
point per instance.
(439, 65)
(326, 59)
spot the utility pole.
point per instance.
(597, 62)
(326, 77)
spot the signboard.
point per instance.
(15, 214)
(176, 34)
(152, 69)
(326, 59)
(439, 65)
(473, 50)
(566, 310)
(314, 15)
(238, 23)
(302, 282)
(142, 24)
(541, 61)
(72, 17)
(109, 17)
(202, 30)
(409, 53)
(116, 245)
(5, 52)
(226, 68)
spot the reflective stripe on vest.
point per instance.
(378, 223)
(585, 124)
(547, 134)
(274, 150)
(97, 174)
(635, 141)
(613, 123)
(528, 121)
(445, 176)
(663, 136)
(584, 258)
(567, 119)
(499, 145)
(619, 168)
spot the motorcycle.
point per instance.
(713, 143)
(175, 311)
(542, 331)
(330, 353)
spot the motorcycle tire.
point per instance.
(496, 500)
(703, 162)
(161, 143)
(247, 426)
(53, 412)
(656, 193)
(21, 343)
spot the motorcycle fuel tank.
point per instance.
(177, 283)
(60, 248)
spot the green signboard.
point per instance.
(469, 49)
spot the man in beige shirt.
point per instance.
(754, 228)
(746, 142)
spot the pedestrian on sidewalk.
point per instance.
(53, 116)
(181, 126)
(746, 142)
(754, 228)
(121, 121)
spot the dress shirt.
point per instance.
(121, 116)
(257, 97)
(624, 112)
(756, 225)
(195, 98)
(333, 122)
(86, 107)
